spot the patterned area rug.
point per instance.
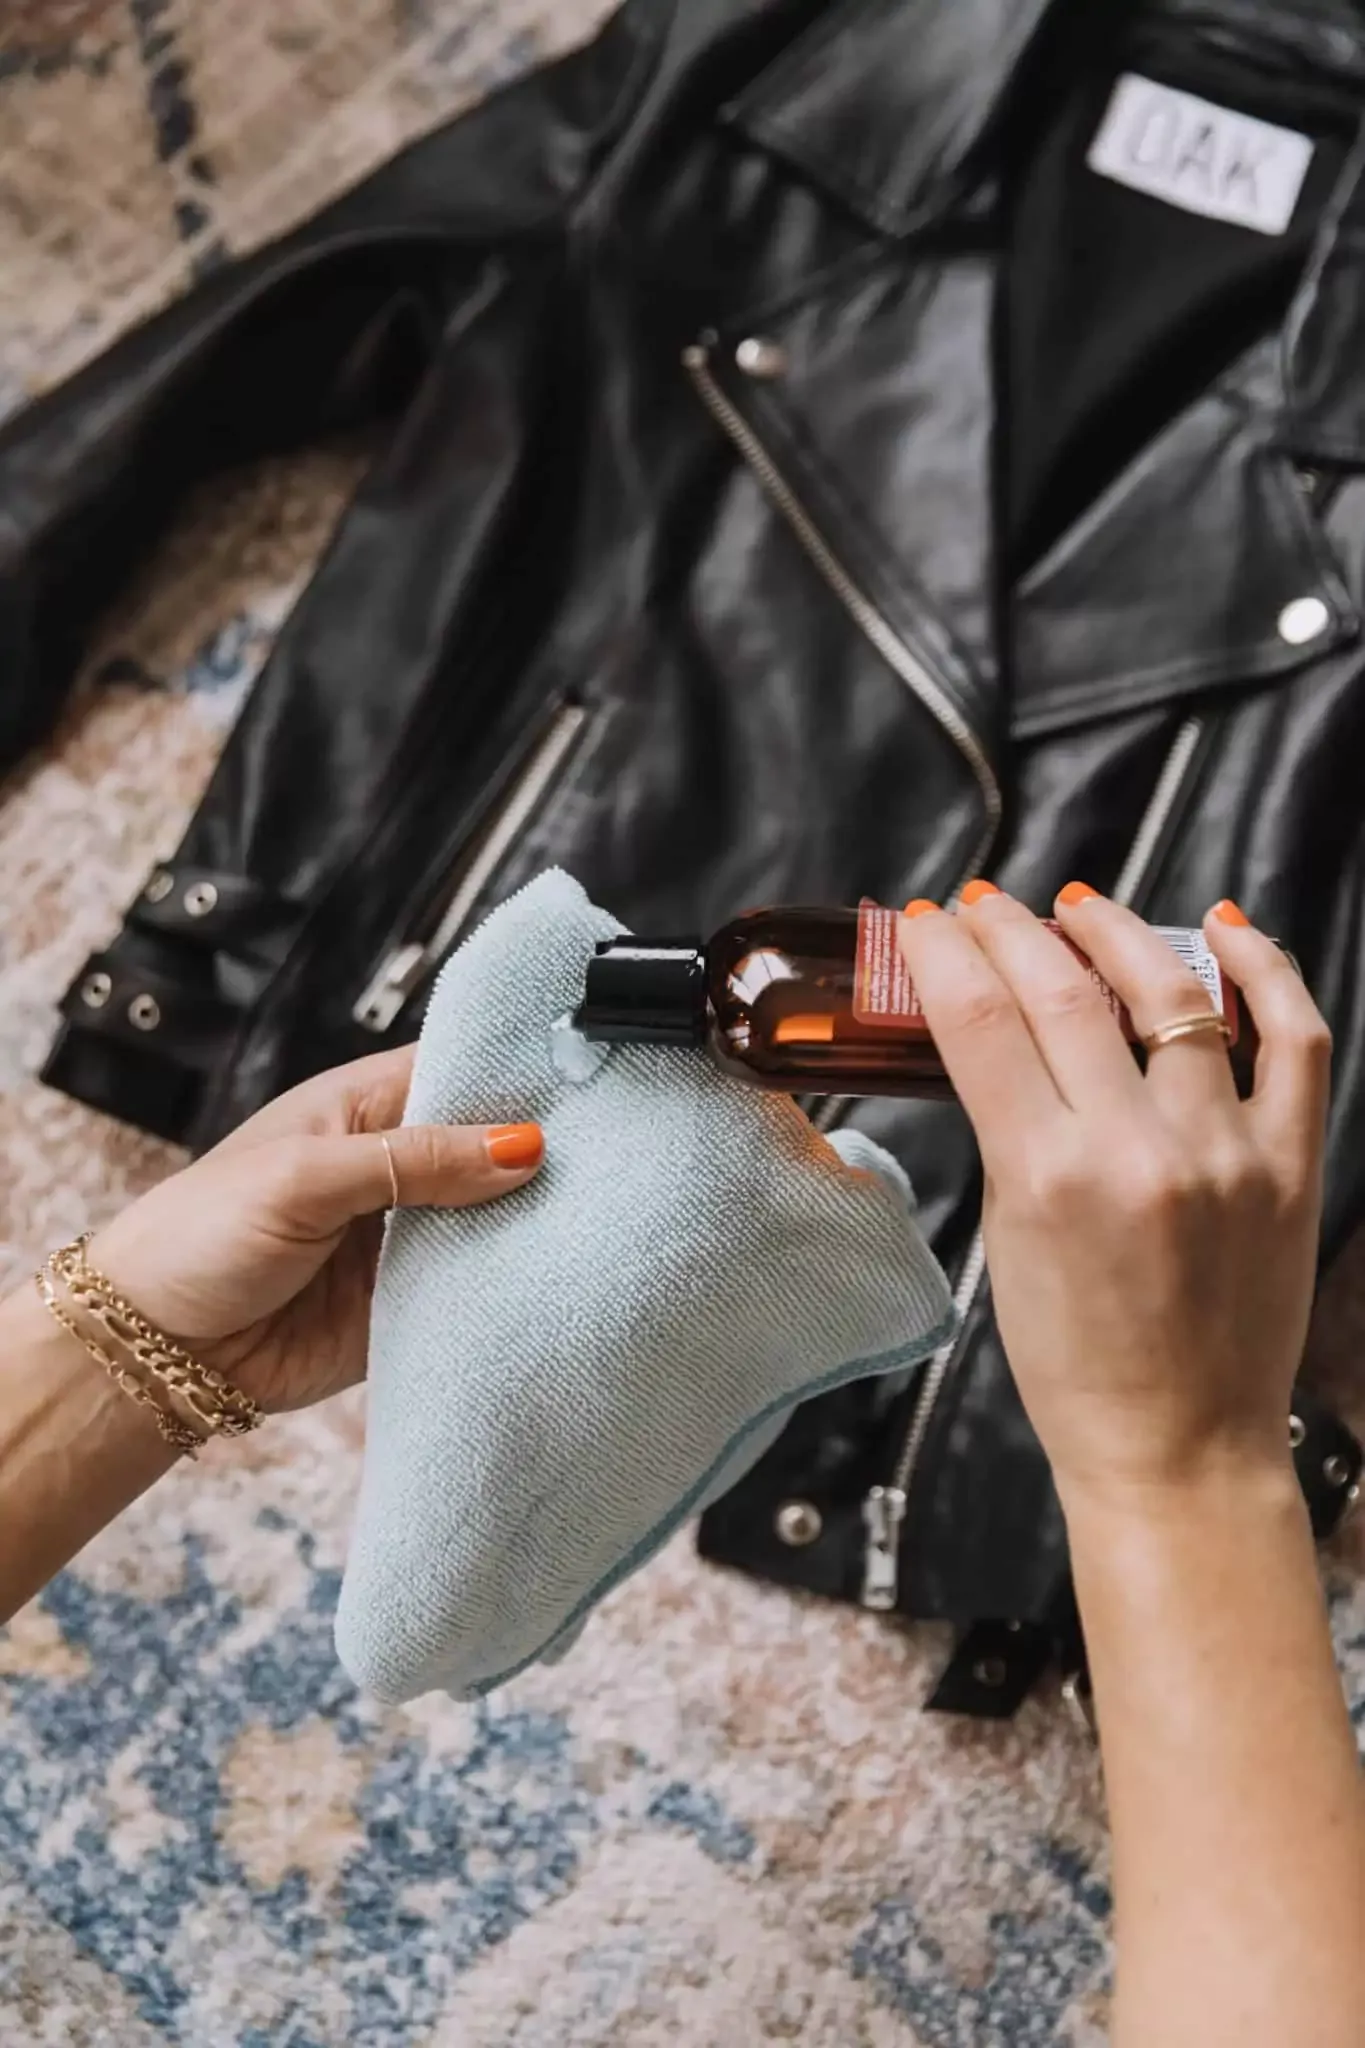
(722, 1820)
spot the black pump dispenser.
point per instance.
(645, 992)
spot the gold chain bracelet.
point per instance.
(176, 1433)
(155, 1361)
(223, 1409)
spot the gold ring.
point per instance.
(393, 1171)
(1189, 1026)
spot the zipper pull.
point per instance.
(397, 976)
(883, 1513)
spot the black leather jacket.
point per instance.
(687, 564)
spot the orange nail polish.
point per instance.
(514, 1147)
(1076, 892)
(1227, 913)
(975, 891)
(920, 905)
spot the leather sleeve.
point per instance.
(326, 329)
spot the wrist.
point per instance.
(65, 1395)
(74, 1449)
(119, 1254)
(199, 1385)
(1152, 1527)
(1202, 1474)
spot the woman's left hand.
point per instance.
(260, 1257)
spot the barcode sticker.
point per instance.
(1194, 951)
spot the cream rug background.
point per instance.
(723, 1819)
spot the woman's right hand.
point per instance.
(1152, 1242)
(1151, 1239)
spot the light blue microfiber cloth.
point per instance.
(558, 1379)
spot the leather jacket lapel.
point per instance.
(881, 462)
(1213, 521)
(894, 143)
(1184, 575)
(1324, 407)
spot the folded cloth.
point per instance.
(558, 1379)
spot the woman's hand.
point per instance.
(261, 1256)
(1151, 1243)
(261, 1259)
(1151, 1240)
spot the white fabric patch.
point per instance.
(1209, 160)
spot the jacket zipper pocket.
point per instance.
(900, 657)
(885, 1507)
(410, 961)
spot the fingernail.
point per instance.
(974, 891)
(514, 1147)
(1076, 892)
(1227, 913)
(918, 907)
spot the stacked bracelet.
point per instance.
(190, 1400)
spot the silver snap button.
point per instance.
(1297, 1431)
(144, 1013)
(1335, 1470)
(200, 898)
(759, 357)
(160, 886)
(798, 1522)
(1302, 620)
(991, 1671)
(1078, 1704)
(96, 990)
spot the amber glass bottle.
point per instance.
(814, 1002)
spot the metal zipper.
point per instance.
(884, 1508)
(900, 657)
(408, 963)
(1157, 815)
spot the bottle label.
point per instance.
(883, 993)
